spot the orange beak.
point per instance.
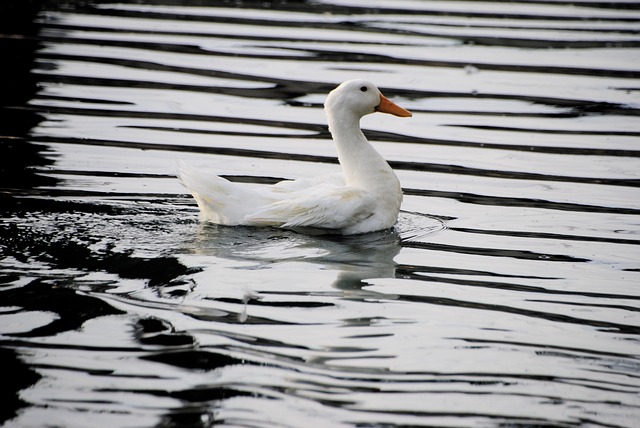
(387, 106)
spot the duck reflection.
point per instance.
(356, 257)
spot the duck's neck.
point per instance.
(363, 166)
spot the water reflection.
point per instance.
(521, 311)
(19, 158)
(355, 258)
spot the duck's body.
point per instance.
(365, 198)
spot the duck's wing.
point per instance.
(324, 207)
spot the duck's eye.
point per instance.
(363, 88)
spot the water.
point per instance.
(507, 295)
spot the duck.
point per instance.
(365, 197)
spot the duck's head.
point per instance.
(361, 97)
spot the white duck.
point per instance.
(365, 198)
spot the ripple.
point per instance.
(505, 296)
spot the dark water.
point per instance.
(507, 295)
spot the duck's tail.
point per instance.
(220, 201)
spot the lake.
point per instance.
(507, 295)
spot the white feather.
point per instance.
(321, 207)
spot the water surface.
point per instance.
(507, 295)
